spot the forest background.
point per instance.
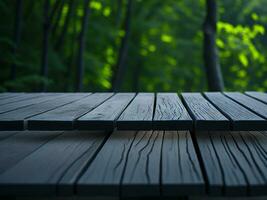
(132, 45)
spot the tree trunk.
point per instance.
(17, 34)
(81, 46)
(57, 19)
(119, 12)
(213, 70)
(46, 32)
(120, 68)
(61, 37)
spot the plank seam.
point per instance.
(25, 123)
(86, 166)
(255, 98)
(221, 111)
(200, 160)
(115, 120)
(75, 120)
(247, 107)
(160, 166)
(52, 138)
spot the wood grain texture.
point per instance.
(61, 160)
(19, 104)
(235, 162)
(181, 173)
(258, 95)
(170, 113)
(17, 119)
(138, 115)
(103, 176)
(8, 95)
(252, 104)
(15, 148)
(241, 118)
(142, 170)
(206, 116)
(104, 116)
(63, 118)
(24, 97)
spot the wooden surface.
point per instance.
(235, 162)
(258, 95)
(248, 102)
(131, 111)
(139, 114)
(63, 118)
(104, 116)
(171, 114)
(206, 116)
(241, 118)
(61, 159)
(181, 173)
(18, 119)
(133, 164)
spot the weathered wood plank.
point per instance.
(170, 113)
(63, 118)
(104, 116)
(6, 134)
(54, 167)
(8, 95)
(206, 116)
(19, 98)
(103, 176)
(138, 115)
(235, 162)
(17, 119)
(142, 170)
(31, 101)
(15, 148)
(258, 95)
(248, 102)
(241, 118)
(181, 173)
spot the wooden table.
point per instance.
(146, 145)
(130, 111)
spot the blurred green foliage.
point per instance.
(165, 47)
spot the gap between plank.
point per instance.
(86, 166)
(200, 160)
(227, 116)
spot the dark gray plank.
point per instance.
(206, 116)
(235, 162)
(15, 148)
(16, 119)
(61, 160)
(258, 95)
(19, 104)
(248, 102)
(170, 113)
(181, 173)
(8, 95)
(104, 116)
(63, 118)
(103, 176)
(6, 134)
(138, 115)
(19, 98)
(241, 118)
(142, 170)
(221, 168)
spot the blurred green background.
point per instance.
(164, 49)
